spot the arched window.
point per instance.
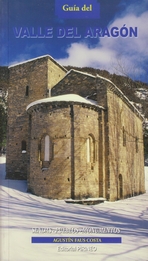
(124, 137)
(23, 146)
(136, 141)
(90, 149)
(27, 91)
(45, 151)
(47, 148)
(120, 187)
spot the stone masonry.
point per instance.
(27, 82)
(72, 134)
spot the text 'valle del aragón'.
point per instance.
(74, 32)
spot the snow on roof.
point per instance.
(40, 57)
(122, 94)
(107, 80)
(81, 72)
(64, 98)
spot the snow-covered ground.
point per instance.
(21, 212)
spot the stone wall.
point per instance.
(75, 82)
(55, 73)
(126, 157)
(28, 82)
(93, 151)
(69, 173)
(86, 170)
(53, 181)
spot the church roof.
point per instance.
(65, 98)
(84, 83)
(37, 58)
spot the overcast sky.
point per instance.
(127, 55)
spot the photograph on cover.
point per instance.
(73, 130)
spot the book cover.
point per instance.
(73, 111)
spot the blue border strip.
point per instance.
(76, 240)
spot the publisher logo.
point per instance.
(76, 9)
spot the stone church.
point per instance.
(72, 135)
